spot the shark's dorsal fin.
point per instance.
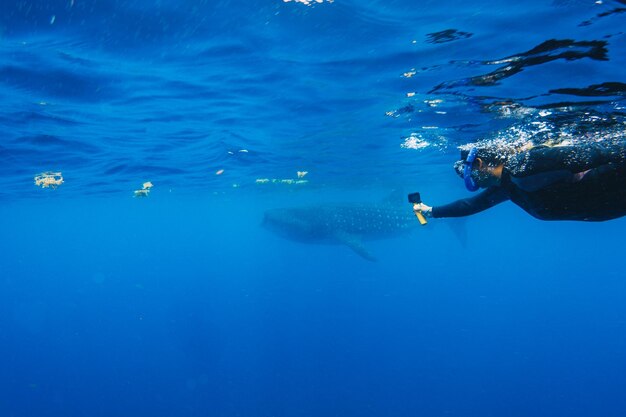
(354, 243)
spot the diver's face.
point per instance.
(486, 175)
(486, 179)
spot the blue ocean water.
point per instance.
(182, 304)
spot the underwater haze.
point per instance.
(169, 170)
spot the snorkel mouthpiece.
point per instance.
(470, 184)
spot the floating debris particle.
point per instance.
(49, 179)
(243, 151)
(219, 172)
(302, 174)
(145, 191)
(410, 94)
(308, 2)
(433, 103)
(287, 181)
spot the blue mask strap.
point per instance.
(470, 184)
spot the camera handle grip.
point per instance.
(419, 215)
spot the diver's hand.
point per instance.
(427, 211)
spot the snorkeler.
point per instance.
(585, 182)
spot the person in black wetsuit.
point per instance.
(584, 182)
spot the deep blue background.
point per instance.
(180, 304)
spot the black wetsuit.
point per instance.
(585, 183)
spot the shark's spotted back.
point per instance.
(347, 224)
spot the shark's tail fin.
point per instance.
(458, 227)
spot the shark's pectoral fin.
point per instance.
(354, 243)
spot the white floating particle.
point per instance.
(307, 2)
(141, 193)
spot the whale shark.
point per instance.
(347, 224)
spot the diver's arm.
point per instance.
(468, 206)
(543, 159)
